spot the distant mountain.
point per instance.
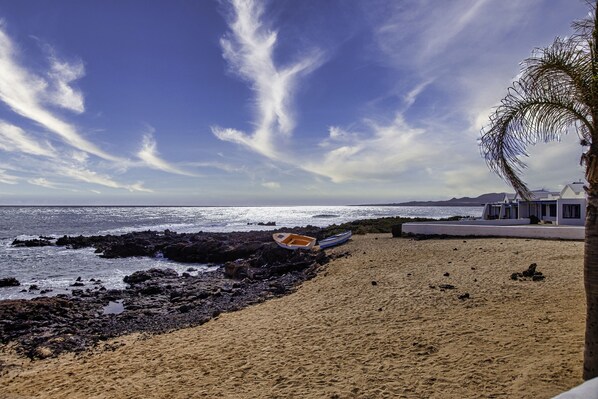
(464, 201)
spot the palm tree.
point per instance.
(556, 93)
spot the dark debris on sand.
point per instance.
(529, 274)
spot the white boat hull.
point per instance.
(335, 240)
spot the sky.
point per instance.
(282, 102)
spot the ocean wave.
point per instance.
(155, 227)
(325, 216)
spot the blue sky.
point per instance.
(283, 102)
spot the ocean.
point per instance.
(56, 268)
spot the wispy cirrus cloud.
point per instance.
(42, 182)
(26, 93)
(13, 138)
(447, 64)
(60, 90)
(55, 144)
(249, 49)
(7, 178)
(452, 62)
(89, 176)
(384, 152)
(272, 185)
(149, 155)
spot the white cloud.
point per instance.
(60, 91)
(89, 176)
(139, 187)
(24, 92)
(32, 95)
(249, 50)
(13, 138)
(149, 154)
(412, 95)
(271, 185)
(42, 182)
(7, 178)
(449, 63)
(385, 153)
(220, 166)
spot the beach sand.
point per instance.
(373, 324)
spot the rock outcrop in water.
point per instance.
(9, 282)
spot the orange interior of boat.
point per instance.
(295, 240)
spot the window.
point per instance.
(571, 211)
(549, 210)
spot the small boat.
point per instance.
(294, 241)
(336, 239)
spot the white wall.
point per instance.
(572, 222)
(485, 230)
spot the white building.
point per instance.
(567, 207)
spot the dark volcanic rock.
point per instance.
(127, 249)
(158, 300)
(196, 247)
(144, 275)
(31, 243)
(44, 326)
(9, 282)
(271, 260)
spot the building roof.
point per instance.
(538, 195)
(577, 187)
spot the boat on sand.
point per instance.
(294, 241)
(336, 239)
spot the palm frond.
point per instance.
(525, 117)
(557, 92)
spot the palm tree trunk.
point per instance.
(590, 367)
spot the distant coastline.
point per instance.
(463, 201)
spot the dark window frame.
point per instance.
(571, 211)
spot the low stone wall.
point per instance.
(470, 228)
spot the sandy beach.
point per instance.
(373, 324)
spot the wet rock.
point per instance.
(236, 269)
(127, 249)
(151, 290)
(31, 243)
(144, 275)
(266, 224)
(9, 282)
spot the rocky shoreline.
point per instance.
(252, 269)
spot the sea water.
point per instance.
(56, 268)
